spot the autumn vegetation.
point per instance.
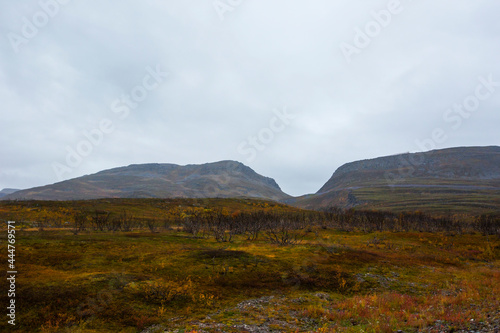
(227, 265)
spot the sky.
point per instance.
(293, 89)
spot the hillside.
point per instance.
(461, 179)
(464, 180)
(7, 191)
(225, 179)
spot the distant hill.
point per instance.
(225, 179)
(7, 191)
(458, 179)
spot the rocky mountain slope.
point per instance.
(221, 179)
(465, 179)
(458, 178)
(7, 191)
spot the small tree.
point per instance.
(100, 219)
(283, 231)
(80, 224)
(127, 221)
(152, 225)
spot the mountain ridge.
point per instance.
(408, 166)
(458, 178)
(155, 180)
(459, 175)
(7, 191)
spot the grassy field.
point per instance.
(331, 281)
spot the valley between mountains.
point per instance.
(405, 243)
(465, 179)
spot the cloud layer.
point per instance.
(360, 80)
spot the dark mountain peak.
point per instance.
(222, 166)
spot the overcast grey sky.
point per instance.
(293, 89)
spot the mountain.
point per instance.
(7, 191)
(459, 179)
(220, 179)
